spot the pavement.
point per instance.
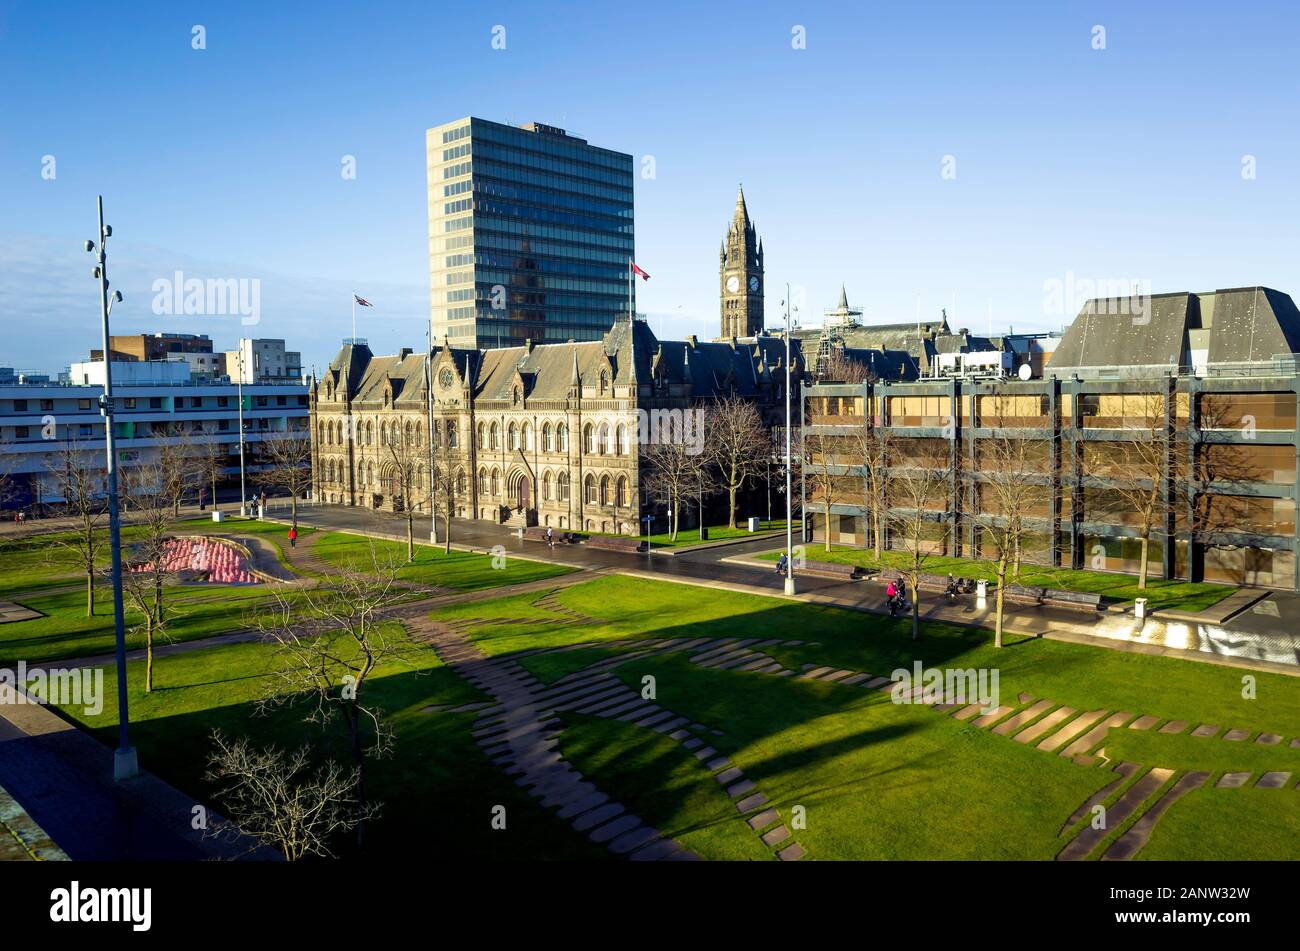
(1263, 636)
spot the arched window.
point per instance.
(604, 381)
(548, 443)
(482, 481)
(562, 438)
(604, 490)
(620, 493)
(496, 481)
(562, 486)
(370, 433)
(361, 474)
(512, 438)
(589, 439)
(370, 473)
(546, 486)
(528, 437)
(409, 434)
(383, 433)
(604, 439)
(460, 482)
(493, 437)
(482, 436)
(453, 440)
(589, 489)
(621, 446)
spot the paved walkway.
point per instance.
(1248, 641)
(62, 777)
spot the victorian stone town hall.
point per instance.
(542, 433)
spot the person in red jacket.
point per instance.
(293, 537)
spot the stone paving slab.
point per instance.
(1071, 730)
(855, 679)
(1205, 729)
(876, 683)
(1144, 722)
(737, 790)
(1097, 734)
(837, 676)
(729, 775)
(656, 851)
(1009, 726)
(815, 673)
(670, 725)
(1047, 723)
(598, 815)
(637, 838)
(1232, 780)
(1268, 739)
(1083, 843)
(615, 828)
(1125, 770)
(705, 752)
(751, 802)
(1273, 780)
(1174, 726)
(1236, 735)
(582, 804)
(1128, 845)
(791, 853)
(993, 716)
(968, 711)
(764, 818)
(776, 836)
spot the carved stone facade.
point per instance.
(533, 435)
(740, 275)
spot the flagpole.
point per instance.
(354, 318)
(630, 318)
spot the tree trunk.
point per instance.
(916, 608)
(675, 516)
(148, 656)
(1002, 583)
(879, 532)
(1142, 568)
(293, 509)
(90, 593)
(446, 521)
(826, 529)
(410, 536)
(731, 503)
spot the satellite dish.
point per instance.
(1025, 371)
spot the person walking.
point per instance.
(293, 537)
(550, 539)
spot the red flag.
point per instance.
(637, 270)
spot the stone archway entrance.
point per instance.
(523, 494)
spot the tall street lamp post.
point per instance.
(125, 763)
(243, 493)
(789, 515)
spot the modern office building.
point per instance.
(155, 346)
(530, 232)
(263, 360)
(1211, 376)
(37, 421)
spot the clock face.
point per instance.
(445, 379)
(753, 283)
(733, 284)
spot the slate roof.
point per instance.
(1241, 325)
(546, 371)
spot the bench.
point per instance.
(830, 569)
(1023, 593)
(924, 579)
(615, 543)
(1078, 600)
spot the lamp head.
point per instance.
(90, 246)
(108, 231)
(117, 296)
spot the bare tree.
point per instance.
(673, 474)
(839, 367)
(404, 464)
(79, 478)
(286, 462)
(8, 479)
(918, 506)
(872, 444)
(737, 443)
(145, 490)
(825, 455)
(448, 493)
(1013, 487)
(1136, 470)
(210, 464)
(329, 640)
(177, 469)
(271, 795)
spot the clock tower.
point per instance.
(741, 274)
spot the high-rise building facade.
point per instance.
(530, 233)
(740, 269)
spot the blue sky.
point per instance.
(1072, 163)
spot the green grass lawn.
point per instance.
(197, 611)
(461, 570)
(691, 536)
(437, 789)
(1112, 586)
(888, 781)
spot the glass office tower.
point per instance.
(530, 231)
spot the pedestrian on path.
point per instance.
(293, 537)
(550, 538)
